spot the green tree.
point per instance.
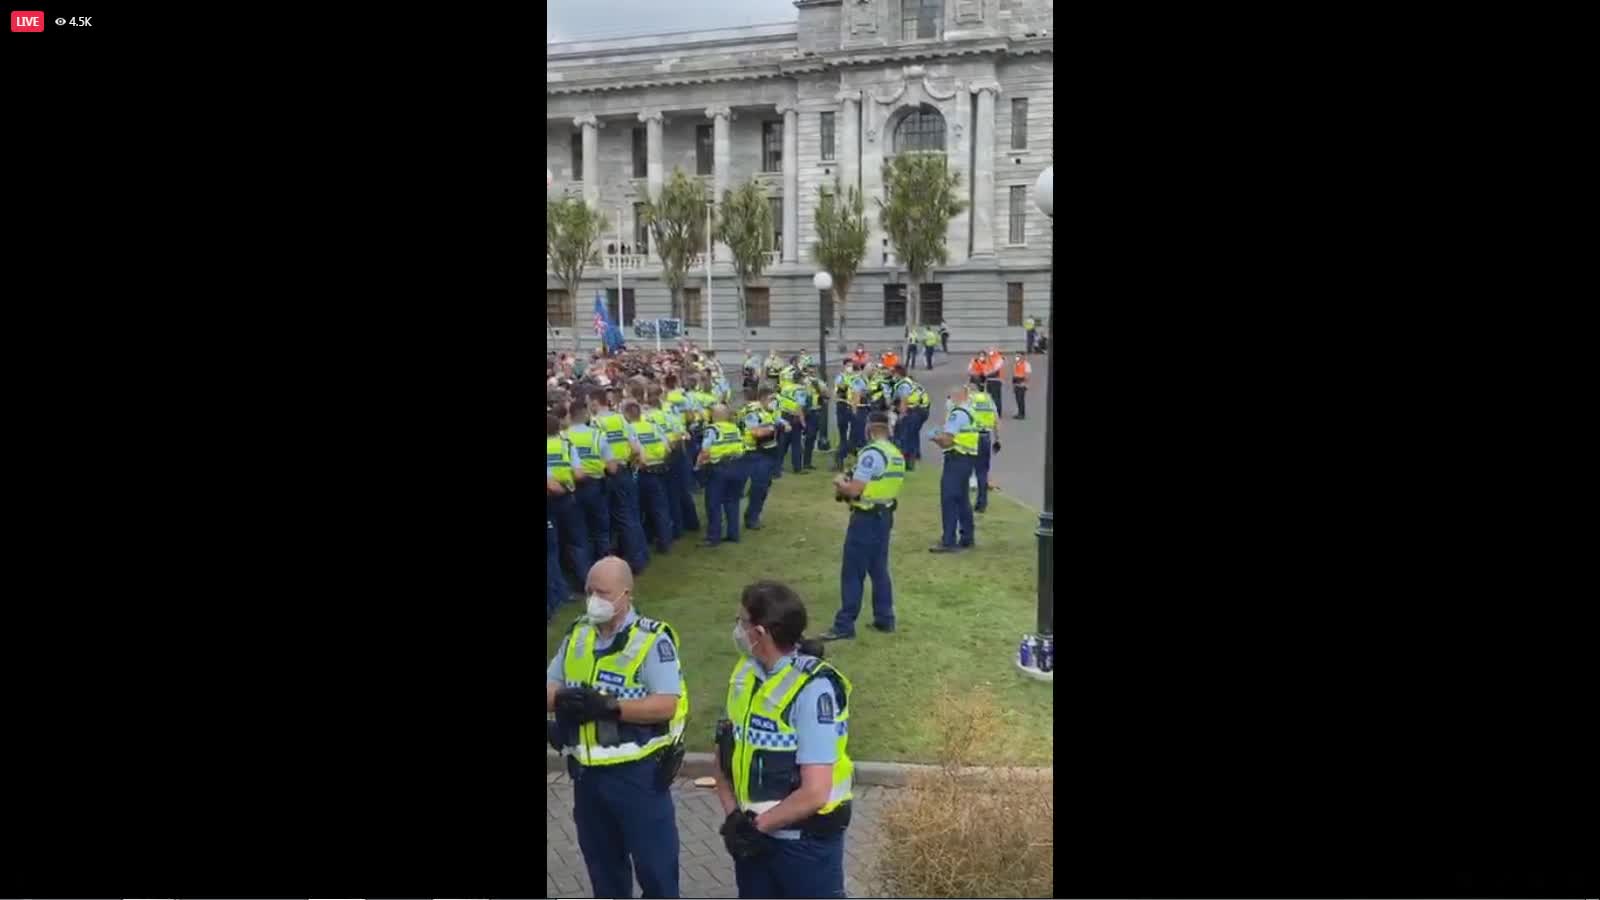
(746, 227)
(922, 199)
(572, 243)
(677, 221)
(841, 243)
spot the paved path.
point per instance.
(706, 870)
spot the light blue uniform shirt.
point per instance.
(955, 422)
(902, 390)
(858, 384)
(869, 465)
(709, 438)
(659, 676)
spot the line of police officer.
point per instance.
(616, 704)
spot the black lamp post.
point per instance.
(823, 282)
(1044, 193)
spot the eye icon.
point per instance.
(61, 21)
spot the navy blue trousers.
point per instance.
(596, 518)
(857, 437)
(955, 504)
(866, 552)
(686, 519)
(759, 467)
(797, 439)
(808, 867)
(621, 815)
(622, 499)
(555, 587)
(572, 532)
(656, 504)
(813, 422)
(724, 483)
(984, 445)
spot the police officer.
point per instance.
(841, 402)
(561, 488)
(988, 418)
(722, 457)
(786, 774)
(930, 339)
(622, 488)
(1029, 325)
(793, 400)
(703, 400)
(619, 701)
(911, 405)
(591, 455)
(812, 412)
(652, 465)
(958, 437)
(872, 493)
(760, 429)
(684, 517)
(851, 438)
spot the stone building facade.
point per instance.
(798, 105)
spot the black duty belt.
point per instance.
(876, 510)
(657, 470)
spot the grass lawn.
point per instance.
(958, 616)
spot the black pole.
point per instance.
(1046, 530)
(822, 347)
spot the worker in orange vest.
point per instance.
(860, 357)
(993, 371)
(976, 370)
(1020, 370)
(890, 360)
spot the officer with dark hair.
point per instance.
(872, 493)
(785, 780)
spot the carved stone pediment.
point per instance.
(916, 87)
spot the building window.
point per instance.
(827, 136)
(920, 131)
(894, 304)
(1014, 303)
(772, 146)
(757, 310)
(930, 297)
(641, 231)
(704, 148)
(921, 19)
(1019, 123)
(627, 311)
(1019, 212)
(692, 311)
(825, 298)
(577, 157)
(776, 205)
(558, 308)
(641, 156)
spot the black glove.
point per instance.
(585, 704)
(741, 836)
(997, 448)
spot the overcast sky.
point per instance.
(568, 20)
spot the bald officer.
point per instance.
(619, 705)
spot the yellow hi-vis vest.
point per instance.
(616, 672)
(558, 460)
(966, 442)
(653, 441)
(764, 741)
(930, 338)
(885, 486)
(586, 443)
(787, 403)
(676, 401)
(918, 398)
(766, 419)
(983, 405)
(706, 401)
(662, 420)
(613, 430)
(728, 444)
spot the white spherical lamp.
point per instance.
(1045, 191)
(823, 281)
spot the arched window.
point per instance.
(920, 130)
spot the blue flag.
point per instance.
(601, 323)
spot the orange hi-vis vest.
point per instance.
(890, 360)
(976, 367)
(997, 364)
(1021, 370)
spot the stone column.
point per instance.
(983, 198)
(847, 139)
(721, 164)
(791, 182)
(591, 158)
(652, 150)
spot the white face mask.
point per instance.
(600, 610)
(742, 640)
